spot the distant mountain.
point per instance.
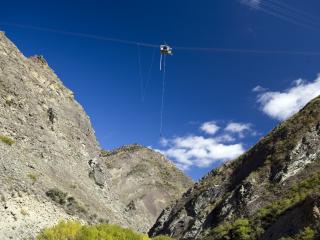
(145, 181)
(52, 167)
(270, 192)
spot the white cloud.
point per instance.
(281, 105)
(210, 127)
(200, 151)
(238, 128)
(259, 89)
(164, 142)
(225, 138)
(225, 143)
(252, 3)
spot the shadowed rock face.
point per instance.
(265, 175)
(51, 166)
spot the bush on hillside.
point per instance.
(162, 238)
(73, 230)
(57, 196)
(6, 140)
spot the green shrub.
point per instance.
(57, 196)
(162, 238)
(74, 207)
(69, 203)
(221, 232)
(6, 140)
(241, 229)
(62, 231)
(33, 177)
(307, 234)
(73, 230)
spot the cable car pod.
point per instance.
(165, 49)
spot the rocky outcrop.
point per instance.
(50, 163)
(262, 179)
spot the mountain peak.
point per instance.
(124, 148)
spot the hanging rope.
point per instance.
(160, 61)
(163, 92)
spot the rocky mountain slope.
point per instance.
(145, 181)
(271, 191)
(52, 167)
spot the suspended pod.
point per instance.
(165, 49)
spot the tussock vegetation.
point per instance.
(6, 140)
(57, 196)
(307, 234)
(33, 177)
(73, 230)
(70, 204)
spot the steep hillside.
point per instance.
(145, 180)
(264, 194)
(51, 166)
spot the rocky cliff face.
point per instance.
(51, 166)
(263, 194)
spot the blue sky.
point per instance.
(211, 112)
